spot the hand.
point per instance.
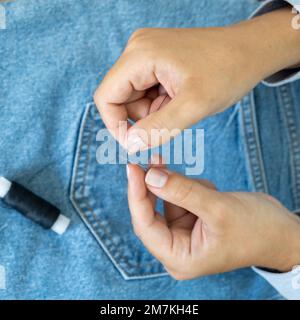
(169, 79)
(204, 231)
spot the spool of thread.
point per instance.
(32, 206)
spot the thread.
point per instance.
(32, 206)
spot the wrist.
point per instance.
(270, 42)
(289, 255)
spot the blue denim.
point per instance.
(53, 56)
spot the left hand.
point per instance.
(167, 79)
(204, 231)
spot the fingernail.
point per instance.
(135, 143)
(156, 178)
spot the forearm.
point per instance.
(270, 42)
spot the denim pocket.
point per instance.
(99, 194)
(272, 142)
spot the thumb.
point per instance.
(193, 195)
(162, 125)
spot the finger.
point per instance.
(136, 95)
(155, 161)
(129, 74)
(162, 125)
(207, 184)
(141, 108)
(183, 192)
(172, 213)
(159, 102)
(118, 86)
(178, 217)
(153, 199)
(150, 227)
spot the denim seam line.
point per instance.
(91, 221)
(289, 114)
(252, 144)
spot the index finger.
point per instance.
(131, 74)
(149, 226)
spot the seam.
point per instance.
(86, 218)
(89, 206)
(289, 117)
(252, 144)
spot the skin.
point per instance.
(171, 79)
(204, 231)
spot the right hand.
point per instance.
(203, 231)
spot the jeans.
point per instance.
(53, 56)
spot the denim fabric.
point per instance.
(53, 55)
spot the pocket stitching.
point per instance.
(87, 220)
(254, 157)
(288, 113)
